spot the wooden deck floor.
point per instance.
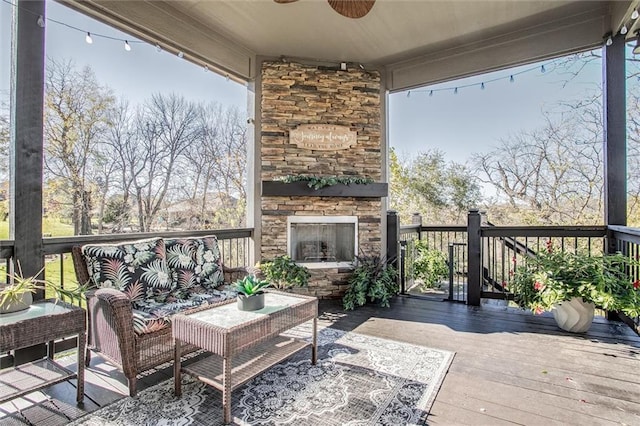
(510, 368)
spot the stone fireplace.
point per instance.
(321, 229)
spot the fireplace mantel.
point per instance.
(302, 189)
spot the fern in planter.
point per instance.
(373, 280)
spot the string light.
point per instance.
(228, 78)
(635, 14)
(127, 47)
(624, 30)
(609, 41)
(40, 21)
(483, 84)
(409, 94)
(88, 38)
(158, 48)
(206, 68)
(180, 54)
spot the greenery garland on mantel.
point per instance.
(318, 182)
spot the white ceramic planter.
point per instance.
(574, 315)
(14, 306)
(250, 303)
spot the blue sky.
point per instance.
(473, 120)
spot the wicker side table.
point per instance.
(43, 322)
(243, 344)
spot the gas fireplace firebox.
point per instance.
(322, 241)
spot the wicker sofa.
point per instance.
(139, 285)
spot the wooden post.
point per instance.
(27, 106)
(474, 241)
(615, 139)
(615, 132)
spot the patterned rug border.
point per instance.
(424, 404)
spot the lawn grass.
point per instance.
(50, 227)
(55, 271)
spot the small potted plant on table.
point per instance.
(17, 294)
(250, 293)
(571, 285)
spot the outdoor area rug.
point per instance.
(358, 380)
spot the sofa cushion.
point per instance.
(153, 315)
(138, 268)
(194, 262)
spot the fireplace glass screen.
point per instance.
(322, 242)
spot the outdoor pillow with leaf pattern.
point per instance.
(194, 262)
(138, 268)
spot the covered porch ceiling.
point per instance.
(413, 42)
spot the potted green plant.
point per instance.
(430, 265)
(17, 294)
(372, 279)
(283, 273)
(250, 293)
(572, 284)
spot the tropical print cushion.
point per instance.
(138, 268)
(194, 262)
(152, 315)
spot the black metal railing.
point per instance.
(503, 248)
(440, 238)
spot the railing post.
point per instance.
(393, 241)
(393, 236)
(416, 219)
(451, 265)
(474, 241)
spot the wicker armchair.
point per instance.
(110, 329)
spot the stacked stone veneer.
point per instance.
(294, 94)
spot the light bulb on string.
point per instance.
(511, 79)
(481, 86)
(127, 47)
(228, 78)
(206, 68)
(40, 21)
(409, 94)
(609, 41)
(88, 38)
(180, 54)
(542, 69)
(431, 93)
(624, 30)
(158, 48)
(635, 14)
(455, 91)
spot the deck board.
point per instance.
(510, 367)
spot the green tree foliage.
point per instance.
(442, 192)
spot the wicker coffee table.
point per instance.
(243, 344)
(43, 322)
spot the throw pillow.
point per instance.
(138, 268)
(194, 262)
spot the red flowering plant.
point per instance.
(554, 276)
